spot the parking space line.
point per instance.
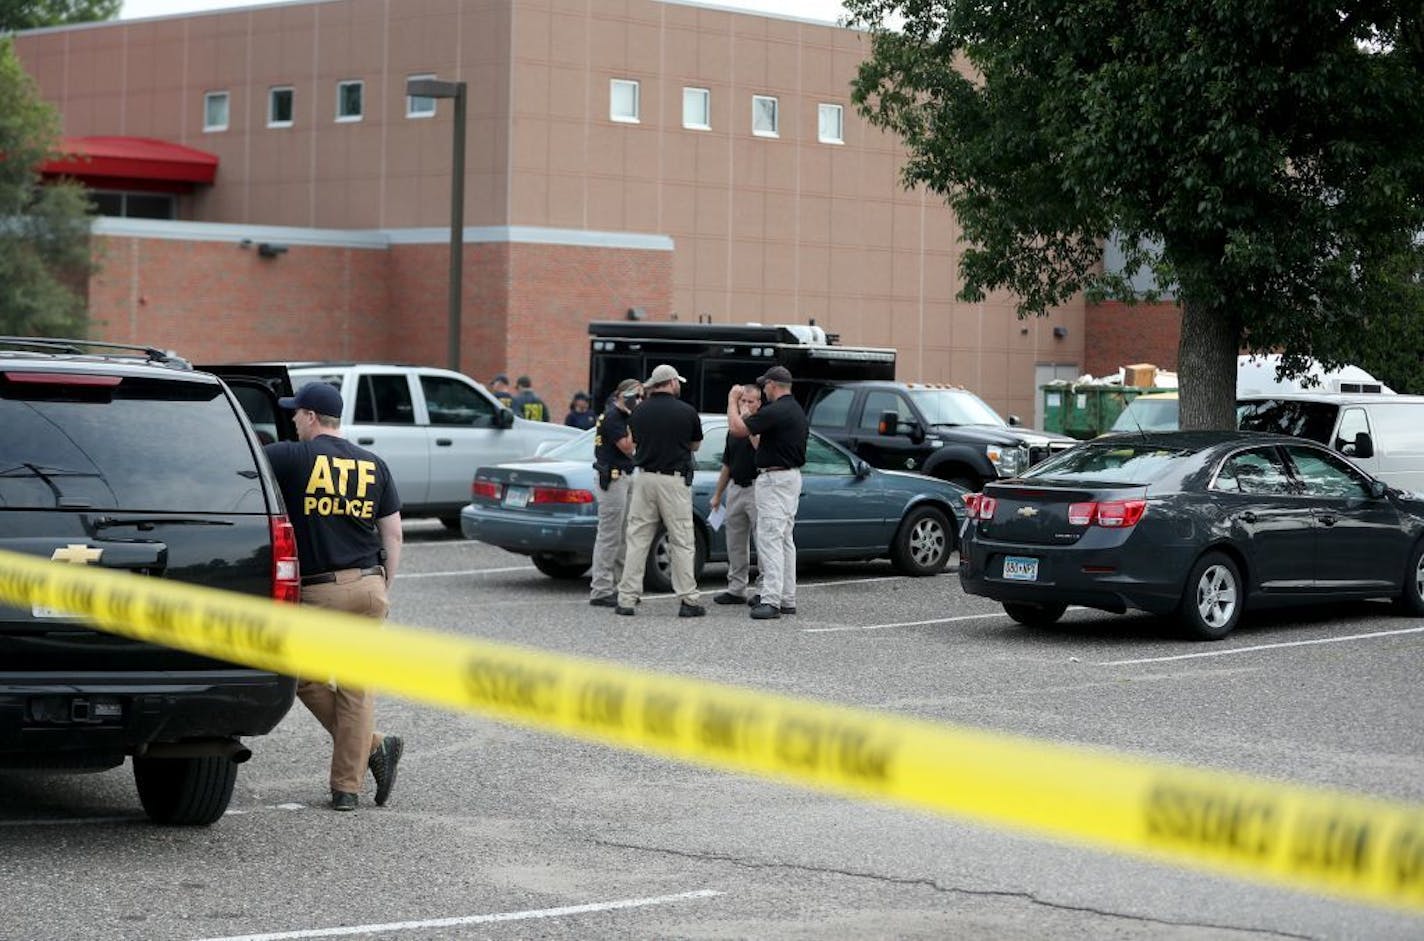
(474, 919)
(1255, 647)
(879, 627)
(513, 568)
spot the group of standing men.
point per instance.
(646, 426)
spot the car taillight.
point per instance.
(286, 575)
(487, 489)
(1111, 514)
(980, 506)
(560, 495)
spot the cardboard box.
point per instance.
(1141, 375)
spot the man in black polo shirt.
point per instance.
(736, 494)
(666, 430)
(613, 459)
(781, 429)
(346, 516)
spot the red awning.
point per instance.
(132, 163)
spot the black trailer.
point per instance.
(715, 356)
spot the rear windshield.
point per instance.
(144, 444)
(1108, 463)
(1312, 420)
(1148, 415)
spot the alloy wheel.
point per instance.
(928, 539)
(1216, 595)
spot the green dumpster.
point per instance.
(1086, 410)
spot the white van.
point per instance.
(1382, 434)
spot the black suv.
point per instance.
(939, 430)
(130, 459)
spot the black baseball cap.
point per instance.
(501, 378)
(321, 397)
(775, 374)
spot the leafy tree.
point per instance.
(28, 14)
(44, 230)
(1264, 157)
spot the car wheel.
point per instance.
(185, 791)
(556, 566)
(657, 576)
(923, 542)
(1213, 600)
(1034, 615)
(1411, 600)
(452, 523)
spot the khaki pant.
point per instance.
(347, 714)
(777, 493)
(667, 499)
(610, 546)
(741, 521)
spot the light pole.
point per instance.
(434, 88)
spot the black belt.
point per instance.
(763, 470)
(326, 578)
(672, 473)
(744, 483)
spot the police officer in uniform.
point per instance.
(666, 431)
(499, 388)
(736, 494)
(346, 513)
(613, 460)
(527, 403)
(781, 429)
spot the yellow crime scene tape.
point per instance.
(1306, 838)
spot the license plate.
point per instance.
(1020, 569)
(516, 496)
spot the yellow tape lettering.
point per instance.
(805, 743)
(1405, 861)
(601, 703)
(660, 715)
(511, 686)
(1331, 842)
(1237, 826)
(728, 728)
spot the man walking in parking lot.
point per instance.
(736, 494)
(613, 460)
(666, 431)
(346, 513)
(527, 404)
(781, 429)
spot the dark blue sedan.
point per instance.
(546, 508)
(1197, 525)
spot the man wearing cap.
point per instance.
(499, 388)
(666, 431)
(345, 512)
(781, 429)
(613, 460)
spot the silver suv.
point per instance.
(432, 426)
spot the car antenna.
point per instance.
(1140, 430)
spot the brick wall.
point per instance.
(1119, 334)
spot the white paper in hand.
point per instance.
(715, 518)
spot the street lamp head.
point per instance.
(434, 88)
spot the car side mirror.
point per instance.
(862, 469)
(1378, 488)
(1015, 421)
(504, 418)
(1364, 446)
(889, 423)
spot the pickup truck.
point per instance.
(432, 427)
(939, 430)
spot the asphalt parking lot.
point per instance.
(497, 832)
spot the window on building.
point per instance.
(697, 108)
(348, 100)
(215, 111)
(134, 205)
(280, 106)
(418, 106)
(623, 100)
(831, 124)
(766, 121)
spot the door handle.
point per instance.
(1246, 517)
(443, 442)
(365, 440)
(1328, 519)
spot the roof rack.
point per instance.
(77, 348)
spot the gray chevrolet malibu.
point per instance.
(546, 508)
(1196, 525)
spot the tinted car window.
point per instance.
(1354, 422)
(1116, 463)
(714, 442)
(452, 402)
(833, 408)
(384, 400)
(1325, 475)
(821, 458)
(1260, 471)
(877, 402)
(1311, 420)
(94, 447)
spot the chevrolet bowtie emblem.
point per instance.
(77, 554)
(1027, 511)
